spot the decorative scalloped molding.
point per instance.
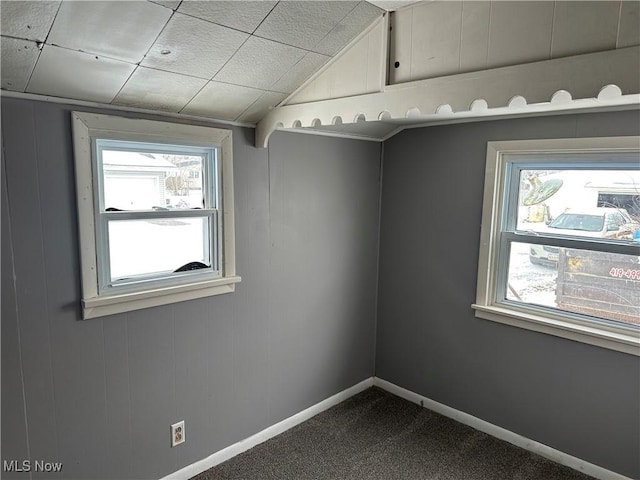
(582, 81)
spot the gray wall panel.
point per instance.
(14, 444)
(324, 210)
(578, 398)
(101, 394)
(21, 157)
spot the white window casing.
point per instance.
(498, 232)
(99, 297)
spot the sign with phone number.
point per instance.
(622, 273)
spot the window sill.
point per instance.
(111, 304)
(621, 341)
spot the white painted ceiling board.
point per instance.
(303, 24)
(520, 32)
(474, 40)
(241, 15)
(629, 29)
(259, 63)
(84, 76)
(158, 90)
(392, 5)
(222, 100)
(123, 30)
(28, 20)
(583, 27)
(261, 107)
(435, 39)
(195, 47)
(400, 46)
(18, 58)
(302, 70)
(353, 24)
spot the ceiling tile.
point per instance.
(155, 89)
(122, 30)
(18, 58)
(582, 27)
(303, 23)
(172, 4)
(300, 72)
(259, 63)
(27, 19)
(243, 15)
(519, 32)
(261, 107)
(392, 5)
(222, 100)
(475, 35)
(629, 29)
(353, 24)
(84, 76)
(196, 47)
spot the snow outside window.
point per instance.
(560, 241)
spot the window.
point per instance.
(560, 239)
(155, 210)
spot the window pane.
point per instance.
(601, 284)
(583, 203)
(135, 180)
(140, 247)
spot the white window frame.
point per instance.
(96, 302)
(492, 254)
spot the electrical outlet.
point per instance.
(177, 433)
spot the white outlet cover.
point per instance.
(177, 433)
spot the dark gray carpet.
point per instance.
(378, 436)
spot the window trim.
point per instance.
(88, 126)
(558, 323)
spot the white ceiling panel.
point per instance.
(70, 74)
(353, 24)
(172, 4)
(18, 59)
(27, 19)
(259, 63)
(194, 47)
(582, 27)
(261, 107)
(629, 30)
(158, 90)
(123, 30)
(222, 100)
(303, 24)
(520, 32)
(241, 15)
(302, 70)
(392, 5)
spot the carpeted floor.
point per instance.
(378, 436)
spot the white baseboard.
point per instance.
(260, 437)
(501, 433)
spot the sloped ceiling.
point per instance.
(229, 60)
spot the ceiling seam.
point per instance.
(41, 47)
(137, 65)
(619, 22)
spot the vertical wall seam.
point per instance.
(15, 306)
(486, 60)
(553, 27)
(619, 23)
(461, 36)
(130, 422)
(377, 295)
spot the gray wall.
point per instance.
(580, 399)
(99, 395)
